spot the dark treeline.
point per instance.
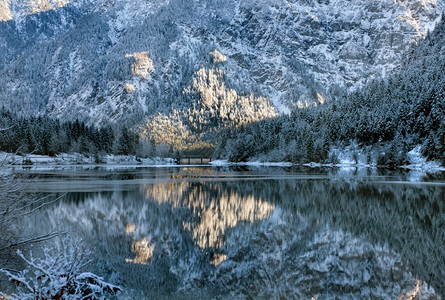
(387, 118)
(47, 136)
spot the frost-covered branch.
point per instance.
(40, 238)
(16, 203)
(7, 128)
(41, 205)
(58, 275)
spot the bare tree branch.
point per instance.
(41, 205)
(7, 128)
(15, 204)
(37, 239)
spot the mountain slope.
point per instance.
(381, 123)
(110, 61)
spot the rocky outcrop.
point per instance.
(71, 59)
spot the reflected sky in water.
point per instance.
(271, 232)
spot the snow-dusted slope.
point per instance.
(84, 59)
(316, 44)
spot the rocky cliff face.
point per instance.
(118, 60)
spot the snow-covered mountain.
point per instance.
(116, 60)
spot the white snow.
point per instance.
(266, 164)
(114, 161)
(251, 163)
(220, 163)
(352, 156)
(420, 163)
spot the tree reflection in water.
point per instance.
(214, 208)
(371, 236)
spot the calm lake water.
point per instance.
(225, 233)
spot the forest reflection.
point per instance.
(194, 234)
(214, 208)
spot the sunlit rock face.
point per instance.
(142, 66)
(69, 58)
(214, 107)
(18, 9)
(5, 11)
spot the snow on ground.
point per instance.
(251, 163)
(352, 155)
(219, 162)
(349, 158)
(419, 165)
(418, 162)
(267, 164)
(64, 159)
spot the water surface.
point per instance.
(203, 232)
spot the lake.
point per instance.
(246, 232)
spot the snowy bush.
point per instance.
(58, 275)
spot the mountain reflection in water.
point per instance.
(214, 208)
(270, 234)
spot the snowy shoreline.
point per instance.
(428, 166)
(346, 160)
(350, 157)
(76, 159)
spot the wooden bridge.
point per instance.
(194, 160)
(195, 156)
